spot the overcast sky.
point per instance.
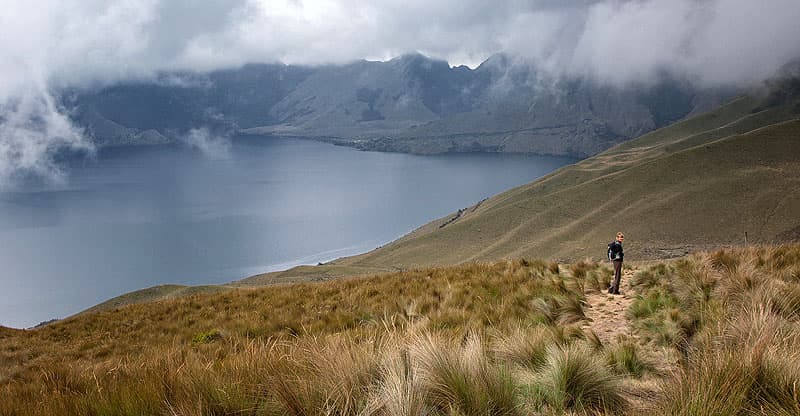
(715, 41)
(45, 44)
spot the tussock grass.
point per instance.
(652, 277)
(575, 379)
(659, 319)
(479, 339)
(581, 269)
(400, 390)
(626, 358)
(599, 279)
(560, 309)
(405, 343)
(464, 380)
(524, 347)
(741, 332)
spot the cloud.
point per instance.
(711, 42)
(212, 145)
(32, 133)
(80, 42)
(48, 45)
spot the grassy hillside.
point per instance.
(714, 333)
(700, 183)
(153, 294)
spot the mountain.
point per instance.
(409, 104)
(717, 179)
(164, 109)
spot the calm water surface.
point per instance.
(139, 217)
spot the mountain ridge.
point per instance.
(411, 104)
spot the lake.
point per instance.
(136, 217)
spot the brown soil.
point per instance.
(606, 312)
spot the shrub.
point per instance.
(207, 337)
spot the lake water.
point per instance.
(138, 217)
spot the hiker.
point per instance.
(615, 255)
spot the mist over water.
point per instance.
(137, 217)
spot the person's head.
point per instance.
(620, 237)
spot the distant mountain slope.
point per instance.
(700, 183)
(174, 103)
(418, 105)
(409, 104)
(669, 192)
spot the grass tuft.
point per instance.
(574, 379)
(524, 347)
(625, 358)
(463, 379)
(207, 337)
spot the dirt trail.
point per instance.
(607, 312)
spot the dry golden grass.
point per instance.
(222, 348)
(749, 181)
(476, 339)
(738, 328)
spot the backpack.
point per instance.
(609, 254)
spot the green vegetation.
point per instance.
(625, 358)
(206, 337)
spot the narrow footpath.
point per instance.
(607, 313)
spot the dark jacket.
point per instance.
(615, 251)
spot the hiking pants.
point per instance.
(614, 289)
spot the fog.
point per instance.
(49, 45)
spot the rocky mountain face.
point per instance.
(409, 104)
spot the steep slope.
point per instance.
(700, 183)
(160, 110)
(703, 182)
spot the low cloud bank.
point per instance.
(214, 146)
(32, 133)
(50, 45)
